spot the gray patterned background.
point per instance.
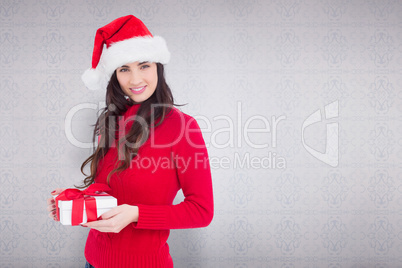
(237, 64)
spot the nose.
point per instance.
(135, 78)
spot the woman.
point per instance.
(146, 152)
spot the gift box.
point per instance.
(74, 207)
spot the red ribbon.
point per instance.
(79, 197)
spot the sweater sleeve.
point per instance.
(195, 180)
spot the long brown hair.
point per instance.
(106, 125)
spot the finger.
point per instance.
(52, 215)
(50, 201)
(111, 213)
(102, 229)
(96, 224)
(57, 191)
(51, 208)
(102, 225)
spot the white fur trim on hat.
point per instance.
(152, 49)
(95, 79)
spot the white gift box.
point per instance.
(103, 204)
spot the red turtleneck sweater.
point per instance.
(174, 157)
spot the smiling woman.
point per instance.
(138, 80)
(143, 142)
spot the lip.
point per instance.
(138, 90)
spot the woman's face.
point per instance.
(138, 80)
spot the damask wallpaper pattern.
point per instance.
(300, 103)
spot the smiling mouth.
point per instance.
(138, 90)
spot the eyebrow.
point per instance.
(126, 66)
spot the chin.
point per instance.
(138, 100)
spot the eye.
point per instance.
(144, 66)
(122, 70)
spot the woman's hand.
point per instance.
(115, 219)
(51, 204)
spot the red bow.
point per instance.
(79, 197)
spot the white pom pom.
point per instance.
(94, 79)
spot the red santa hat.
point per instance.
(127, 40)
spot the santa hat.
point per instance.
(127, 40)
